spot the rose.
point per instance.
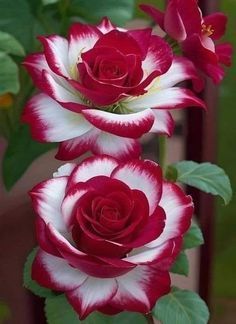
(109, 233)
(99, 88)
(183, 21)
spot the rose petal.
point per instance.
(129, 125)
(70, 202)
(145, 176)
(162, 255)
(142, 37)
(109, 310)
(56, 53)
(121, 40)
(75, 147)
(163, 124)
(60, 90)
(158, 60)
(121, 148)
(47, 198)
(96, 266)
(55, 273)
(181, 69)
(139, 289)
(92, 167)
(105, 185)
(96, 97)
(100, 248)
(52, 123)
(170, 98)
(105, 25)
(150, 231)
(82, 38)
(64, 170)
(179, 210)
(99, 267)
(43, 239)
(91, 295)
(35, 63)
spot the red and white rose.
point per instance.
(109, 233)
(104, 88)
(183, 21)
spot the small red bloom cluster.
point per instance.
(183, 21)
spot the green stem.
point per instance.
(162, 151)
(149, 318)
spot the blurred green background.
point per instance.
(224, 283)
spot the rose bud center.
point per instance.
(111, 70)
(108, 219)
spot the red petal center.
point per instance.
(110, 218)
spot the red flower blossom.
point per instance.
(104, 88)
(109, 233)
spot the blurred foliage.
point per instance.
(224, 283)
(92, 11)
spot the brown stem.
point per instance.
(149, 318)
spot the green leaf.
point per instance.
(205, 176)
(59, 311)
(9, 44)
(193, 237)
(20, 153)
(29, 283)
(9, 81)
(118, 11)
(124, 318)
(16, 19)
(127, 318)
(181, 265)
(181, 307)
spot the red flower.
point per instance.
(104, 88)
(183, 21)
(109, 233)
